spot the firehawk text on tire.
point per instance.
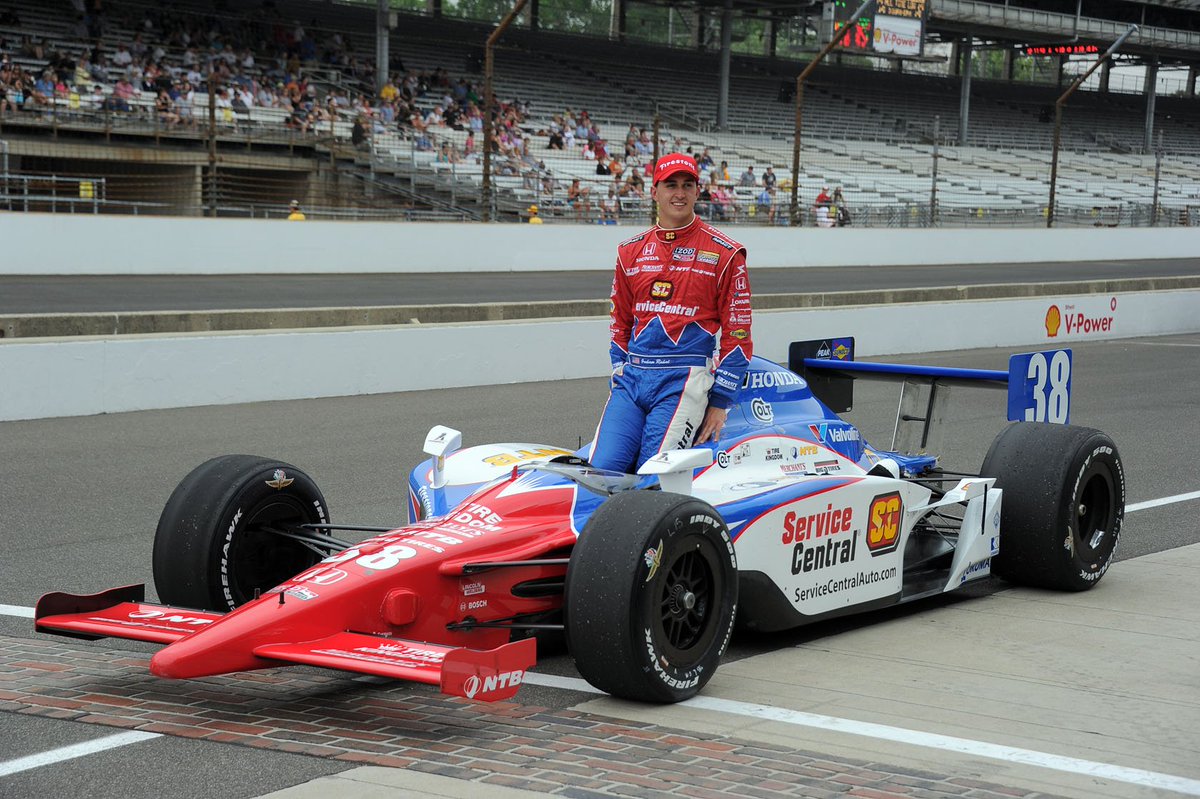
(650, 596)
(213, 549)
(1064, 503)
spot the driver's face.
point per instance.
(676, 198)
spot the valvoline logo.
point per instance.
(833, 435)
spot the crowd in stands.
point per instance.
(256, 59)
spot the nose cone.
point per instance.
(228, 644)
(203, 655)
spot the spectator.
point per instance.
(644, 146)
(720, 201)
(122, 93)
(294, 212)
(588, 153)
(841, 213)
(8, 92)
(122, 58)
(601, 166)
(765, 205)
(721, 173)
(579, 199)
(704, 199)
(43, 89)
(164, 107)
(610, 206)
(534, 219)
(823, 198)
(824, 217)
(731, 207)
(389, 92)
(633, 186)
(748, 177)
(185, 99)
(358, 133)
(447, 154)
(768, 178)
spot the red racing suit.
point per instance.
(680, 340)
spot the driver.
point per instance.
(680, 295)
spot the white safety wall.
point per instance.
(73, 377)
(64, 244)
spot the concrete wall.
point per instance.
(82, 376)
(61, 244)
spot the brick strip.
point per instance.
(400, 725)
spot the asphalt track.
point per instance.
(110, 293)
(1107, 677)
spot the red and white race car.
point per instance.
(792, 517)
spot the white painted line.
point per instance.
(556, 681)
(927, 740)
(74, 751)
(16, 610)
(1154, 503)
(947, 743)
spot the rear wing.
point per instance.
(1038, 385)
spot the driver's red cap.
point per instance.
(668, 165)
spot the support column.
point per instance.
(723, 78)
(382, 70)
(535, 20)
(1104, 74)
(1191, 80)
(701, 19)
(1151, 92)
(1009, 59)
(966, 48)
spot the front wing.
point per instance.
(488, 675)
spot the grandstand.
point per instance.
(90, 144)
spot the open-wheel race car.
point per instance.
(790, 518)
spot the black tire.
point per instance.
(651, 595)
(1063, 507)
(210, 548)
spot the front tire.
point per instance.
(651, 594)
(1063, 507)
(213, 548)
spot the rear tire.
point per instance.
(1063, 506)
(651, 594)
(211, 550)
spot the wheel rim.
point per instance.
(689, 602)
(1095, 514)
(258, 558)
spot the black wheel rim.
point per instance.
(1095, 514)
(689, 601)
(258, 558)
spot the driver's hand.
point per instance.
(710, 428)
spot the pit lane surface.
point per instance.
(82, 497)
(26, 294)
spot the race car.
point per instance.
(790, 518)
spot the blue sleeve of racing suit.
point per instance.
(736, 346)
